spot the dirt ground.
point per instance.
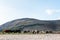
(30, 37)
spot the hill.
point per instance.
(31, 24)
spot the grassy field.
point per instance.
(30, 37)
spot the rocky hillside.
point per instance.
(31, 24)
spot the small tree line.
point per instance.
(27, 31)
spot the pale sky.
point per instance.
(38, 9)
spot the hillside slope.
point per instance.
(31, 24)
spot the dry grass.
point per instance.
(30, 37)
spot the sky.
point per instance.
(38, 9)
